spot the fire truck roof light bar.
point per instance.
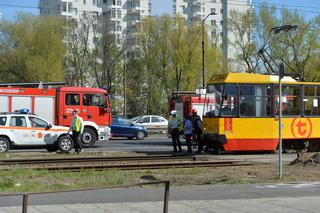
(39, 85)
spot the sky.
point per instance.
(309, 8)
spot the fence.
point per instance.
(25, 196)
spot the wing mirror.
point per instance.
(49, 126)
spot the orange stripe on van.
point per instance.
(32, 128)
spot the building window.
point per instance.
(113, 13)
(70, 7)
(119, 2)
(213, 1)
(221, 22)
(213, 10)
(119, 28)
(119, 14)
(213, 22)
(113, 2)
(104, 1)
(64, 7)
(221, 10)
(84, 2)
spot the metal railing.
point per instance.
(25, 196)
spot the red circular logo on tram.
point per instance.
(301, 127)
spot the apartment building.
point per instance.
(196, 11)
(124, 15)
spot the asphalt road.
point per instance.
(204, 192)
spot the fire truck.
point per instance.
(184, 101)
(55, 103)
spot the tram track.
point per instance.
(119, 163)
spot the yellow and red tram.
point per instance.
(244, 115)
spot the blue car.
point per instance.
(122, 127)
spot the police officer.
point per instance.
(174, 125)
(77, 129)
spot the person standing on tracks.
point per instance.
(77, 129)
(174, 125)
(188, 132)
(197, 129)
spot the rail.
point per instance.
(25, 196)
(119, 163)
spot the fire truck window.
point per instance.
(3, 121)
(155, 119)
(18, 121)
(94, 100)
(72, 99)
(37, 122)
(311, 100)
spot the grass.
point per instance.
(27, 180)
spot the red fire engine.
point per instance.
(56, 106)
(185, 101)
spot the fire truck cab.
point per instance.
(56, 106)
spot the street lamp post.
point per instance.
(202, 28)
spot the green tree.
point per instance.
(170, 59)
(32, 49)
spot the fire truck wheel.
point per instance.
(88, 138)
(140, 135)
(4, 144)
(65, 144)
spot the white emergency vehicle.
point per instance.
(24, 129)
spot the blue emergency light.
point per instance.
(24, 111)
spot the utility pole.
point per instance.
(124, 88)
(202, 45)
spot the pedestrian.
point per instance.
(197, 129)
(174, 125)
(188, 132)
(76, 128)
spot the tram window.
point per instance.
(229, 98)
(311, 100)
(255, 101)
(290, 100)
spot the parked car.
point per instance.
(122, 127)
(151, 121)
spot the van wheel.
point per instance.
(65, 144)
(88, 138)
(140, 135)
(4, 144)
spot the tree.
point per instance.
(171, 58)
(297, 49)
(32, 49)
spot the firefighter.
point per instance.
(174, 126)
(188, 132)
(197, 129)
(77, 129)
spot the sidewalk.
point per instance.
(268, 205)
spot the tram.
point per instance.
(244, 115)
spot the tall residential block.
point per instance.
(124, 15)
(196, 11)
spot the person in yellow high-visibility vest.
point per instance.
(76, 128)
(174, 125)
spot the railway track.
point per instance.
(122, 163)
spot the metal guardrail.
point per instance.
(25, 196)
